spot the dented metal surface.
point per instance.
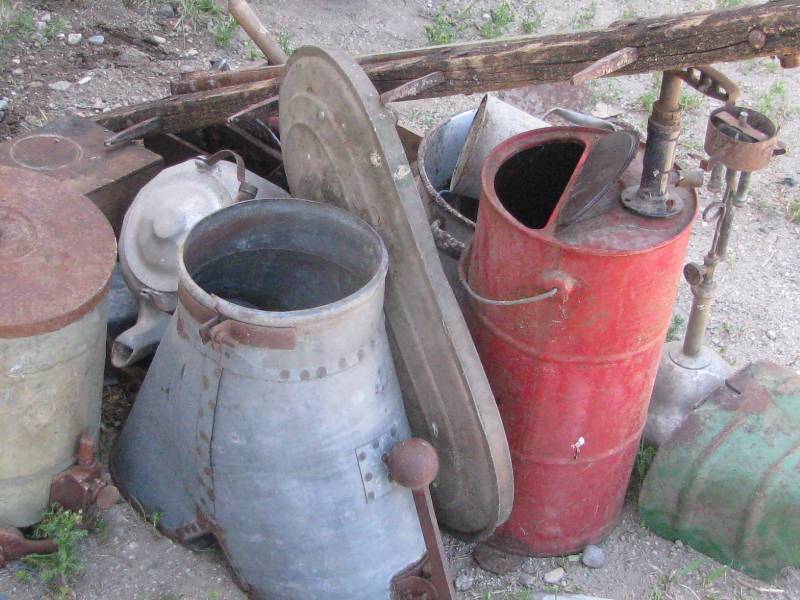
(727, 482)
(53, 285)
(273, 375)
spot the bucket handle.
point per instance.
(475, 295)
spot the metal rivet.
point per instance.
(371, 496)
(361, 354)
(322, 371)
(285, 374)
(362, 456)
(305, 375)
(375, 444)
(368, 477)
(342, 362)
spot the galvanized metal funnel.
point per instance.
(271, 401)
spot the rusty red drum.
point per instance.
(570, 297)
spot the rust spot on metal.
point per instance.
(179, 327)
(205, 437)
(212, 404)
(205, 382)
(207, 471)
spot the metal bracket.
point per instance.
(374, 472)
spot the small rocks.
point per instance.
(166, 11)
(85, 79)
(463, 582)
(4, 104)
(678, 544)
(60, 86)
(39, 25)
(593, 557)
(96, 40)
(554, 577)
(188, 68)
(773, 335)
(73, 39)
(527, 580)
(17, 71)
(156, 40)
(192, 52)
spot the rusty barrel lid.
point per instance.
(57, 252)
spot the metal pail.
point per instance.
(57, 253)
(271, 401)
(569, 323)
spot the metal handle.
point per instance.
(446, 242)
(580, 118)
(710, 82)
(543, 296)
(247, 191)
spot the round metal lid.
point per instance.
(57, 253)
(340, 145)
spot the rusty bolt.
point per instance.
(790, 61)
(756, 38)
(413, 463)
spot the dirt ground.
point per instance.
(759, 298)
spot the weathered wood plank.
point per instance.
(662, 43)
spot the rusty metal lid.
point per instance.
(57, 252)
(340, 145)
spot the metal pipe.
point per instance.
(705, 290)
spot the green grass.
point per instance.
(775, 102)
(447, 26)
(674, 331)
(284, 41)
(691, 100)
(16, 22)
(794, 210)
(499, 19)
(59, 568)
(224, 31)
(585, 16)
(533, 19)
(628, 12)
(725, 4)
(647, 100)
(644, 460)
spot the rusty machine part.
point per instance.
(568, 314)
(159, 218)
(340, 146)
(72, 150)
(413, 464)
(14, 545)
(270, 403)
(655, 196)
(57, 253)
(741, 140)
(84, 484)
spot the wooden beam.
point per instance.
(661, 43)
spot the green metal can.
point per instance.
(728, 481)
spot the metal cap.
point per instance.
(57, 253)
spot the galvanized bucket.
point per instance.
(271, 401)
(57, 252)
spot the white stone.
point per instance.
(60, 86)
(73, 39)
(555, 576)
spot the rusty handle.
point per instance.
(710, 82)
(246, 191)
(446, 242)
(414, 464)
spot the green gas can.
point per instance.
(728, 481)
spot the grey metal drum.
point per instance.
(271, 401)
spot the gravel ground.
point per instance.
(43, 77)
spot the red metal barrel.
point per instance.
(573, 371)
